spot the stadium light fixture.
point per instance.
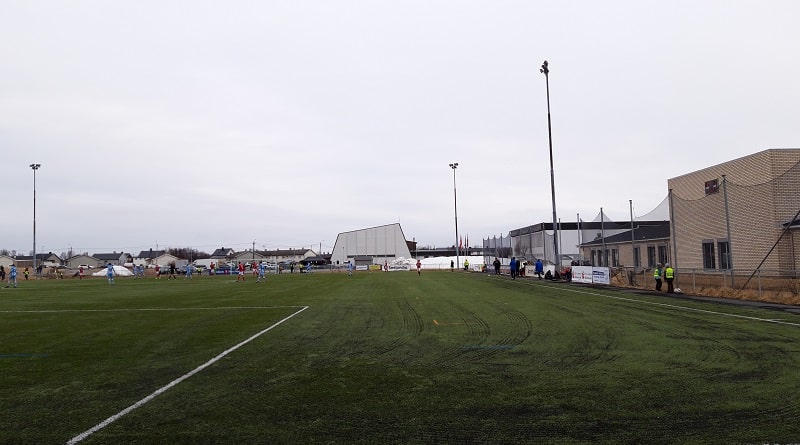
(34, 167)
(454, 166)
(546, 71)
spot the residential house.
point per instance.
(148, 257)
(248, 256)
(6, 261)
(48, 260)
(117, 259)
(76, 261)
(23, 261)
(287, 255)
(164, 259)
(223, 255)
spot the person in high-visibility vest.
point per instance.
(669, 276)
(466, 264)
(657, 273)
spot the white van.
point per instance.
(205, 263)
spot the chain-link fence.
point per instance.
(778, 286)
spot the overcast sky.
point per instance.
(206, 124)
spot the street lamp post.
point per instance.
(34, 167)
(454, 165)
(546, 72)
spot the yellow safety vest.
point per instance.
(669, 273)
(657, 274)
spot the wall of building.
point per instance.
(763, 193)
(383, 243)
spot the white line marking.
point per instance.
(45, 311)
(175, 382)
(673, 306)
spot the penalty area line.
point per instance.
(163, 389)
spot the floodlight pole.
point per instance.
(454, 166)
(546, 72)
(34, 167)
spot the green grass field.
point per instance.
(382, 358)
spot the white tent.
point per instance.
(443, 262)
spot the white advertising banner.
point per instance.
(591, 275)
(582, 274)
(600, 275)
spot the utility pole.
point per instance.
(546, 71)
(34, 167)
(454, 166)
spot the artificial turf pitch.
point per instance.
(382, 358)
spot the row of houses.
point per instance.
(151, 258)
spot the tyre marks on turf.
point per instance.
(407, 326)
(482, 343)
(412, 321)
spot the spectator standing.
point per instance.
(419, 267)
(669, 277)
(539, 268)
(496, 265)
(658, 273)
(513, 267)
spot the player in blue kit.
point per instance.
(110, 273)
(189, 270)
(262, 272)
(12, 276)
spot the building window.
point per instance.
(712, 186)
(724, 254)
(636, 262)
(662, 255)
(651, 256)
(594, 257)
(614, 257)
(708, 255)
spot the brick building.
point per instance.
(754, 198)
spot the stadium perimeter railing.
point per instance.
(772, 285)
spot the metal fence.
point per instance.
(764, 284)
